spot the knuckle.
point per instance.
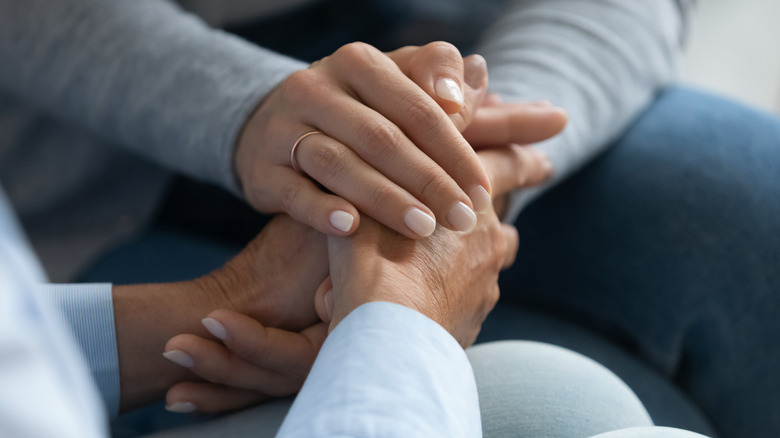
(423, 113)
(303, 87)
(382, 138)
(327, 157)
(356, 52)
(443, 49)
(380, 196)
(437, 185)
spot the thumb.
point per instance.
(323, 300)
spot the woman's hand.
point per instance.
(450, 277)
(247, 363)
(385, 145)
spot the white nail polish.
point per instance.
(419, 222)
(215, 328)
(448, 89)
(179, 358)
(481, 199)
(462, 217)
(181, 407)
(341, 220)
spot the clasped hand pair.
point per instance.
(423, 134)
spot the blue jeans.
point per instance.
(656, 260)
(668, 246)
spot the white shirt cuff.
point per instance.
(387, 371)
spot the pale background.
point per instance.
(734, 50)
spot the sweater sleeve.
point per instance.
(141, 73)
(600, 60)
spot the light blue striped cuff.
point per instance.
(89, 310)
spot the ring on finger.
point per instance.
(293, 159)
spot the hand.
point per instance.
(450, 277)
(274, 278)
(387, 147)
(253, 363)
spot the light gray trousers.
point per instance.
(526, 389)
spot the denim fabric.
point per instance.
(668, 247)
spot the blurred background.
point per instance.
(734, 50)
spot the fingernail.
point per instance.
(328, 298)
(420, 222)
(448, 89)
(475, 71)
(181, 407)
(341, 220)
(462, 217)
(215, 328)
(179, 358)
(481, 199)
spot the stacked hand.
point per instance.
(384, 146)
(266, 344)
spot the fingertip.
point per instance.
(421, 224)
(320, 305)
(475, 71)
(462, 217)
(561, 117)
(343, 222)
(215, 328)
(481, 198)
(449, 94)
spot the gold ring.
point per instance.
(293, 160)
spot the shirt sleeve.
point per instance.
(387, 371)
(600, 60)
(45, 389)
(144, 74)
(88, 309)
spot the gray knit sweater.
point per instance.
(101, 100)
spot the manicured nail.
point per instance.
(341, 220)
(448, 89)
(179, 358)
(215, 328)
(462, 217)
(481, 199)
(181, 407)
(328, 298)
(420, 222)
